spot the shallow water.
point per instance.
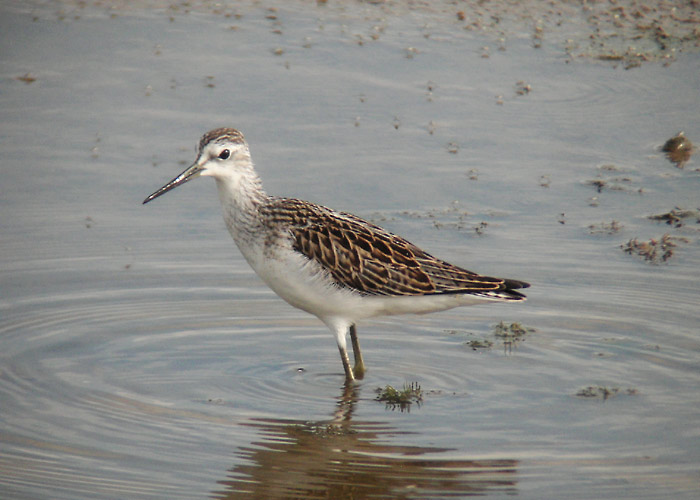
(142, 358)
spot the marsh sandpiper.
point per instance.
(331, 264)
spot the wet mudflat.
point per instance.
(140, 356)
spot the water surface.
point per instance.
(142, 358)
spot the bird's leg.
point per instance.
(340, 328)
(349, 376)
(359, 368)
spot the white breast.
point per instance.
(306, 286)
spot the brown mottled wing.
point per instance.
(369, 259)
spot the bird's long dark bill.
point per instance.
(185, 176)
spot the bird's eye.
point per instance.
(225, 154)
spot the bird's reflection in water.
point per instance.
(341, 459)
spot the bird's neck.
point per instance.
(242, 196)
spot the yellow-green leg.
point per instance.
(359, 369)
(349, 375)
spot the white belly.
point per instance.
(304, 285)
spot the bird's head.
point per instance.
(222, 153)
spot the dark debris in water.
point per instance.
(452, 216)
(480, 228)
(611, 178)
(630, 33)
(507, 333)
(522, 88)
(601, 392)
(512, 331)
(620, 32)
(511, 334)
(655, 250)
(605, 227)
(479, 344)
(612, 184)
(401, 399)
(676, 217)
(26, 78)
(678, 149)
(598, 184)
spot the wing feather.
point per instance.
(366, 258)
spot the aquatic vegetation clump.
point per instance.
(602, 392)
(402, 399)
(676, 217)
(654, 250)
(605, 227)
(512, 331)
(479, 344)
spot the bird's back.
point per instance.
(372, 261)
